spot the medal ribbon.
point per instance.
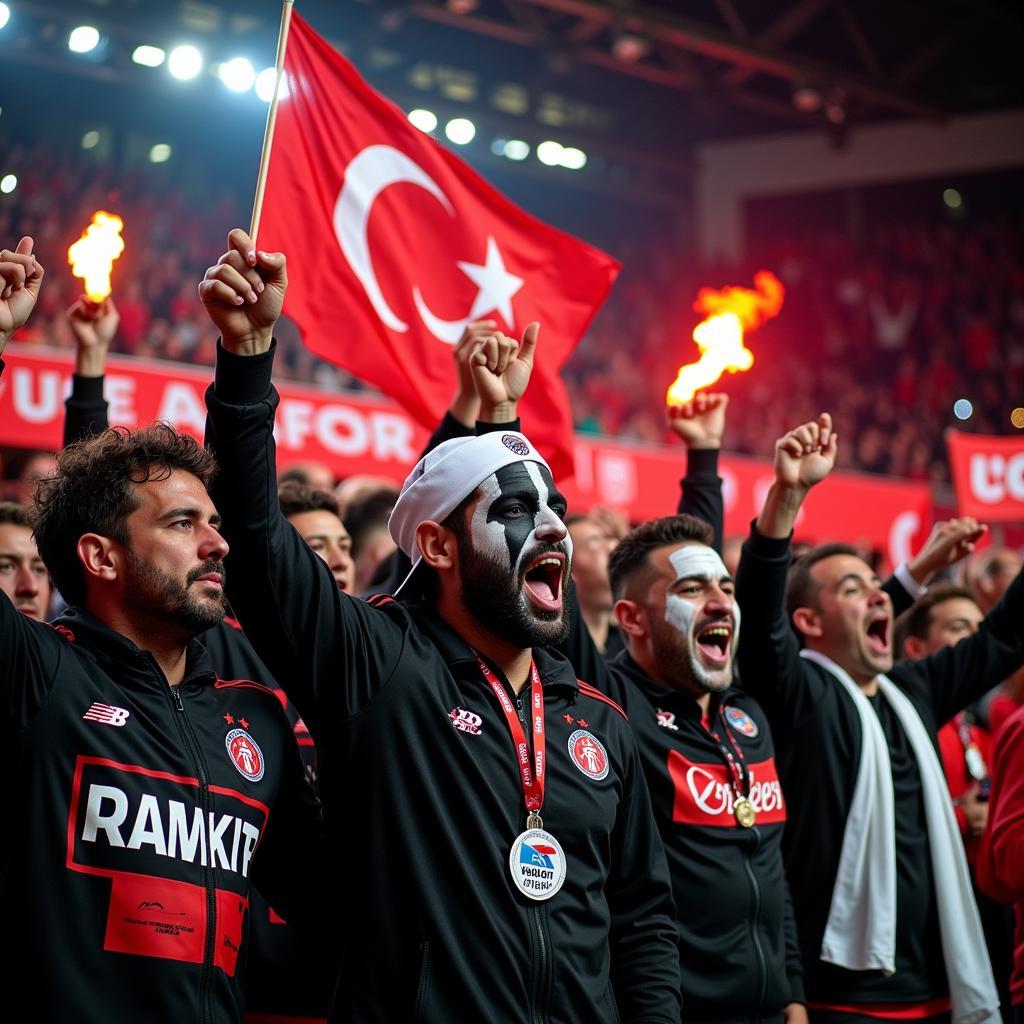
(531, 770)
(737, 765)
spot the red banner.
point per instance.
(353, 434)
(988, 474)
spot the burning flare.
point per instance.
(93, 255)
(719, 336)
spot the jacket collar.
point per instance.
(553, 666)
(115, 650)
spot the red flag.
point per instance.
(393, 244)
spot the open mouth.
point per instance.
(878, 636)
(543, 581)
(713, 643)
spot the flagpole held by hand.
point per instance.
(268, 134)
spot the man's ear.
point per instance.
(631, 617)
(808, 622)
(437, 545)
(913, 648)
(100, 557)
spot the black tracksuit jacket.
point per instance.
(422, 816)
(131, 833)
(738, 951)
(287, 971)
(817, 732)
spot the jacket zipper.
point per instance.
(538, 985)
(755, 919)
(206, 976)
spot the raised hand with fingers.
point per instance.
(243, 294)
(803, 458)
(94, 325)
(700, 423)
(501, 372)
(21, 276)
(465, 405)
(950, 541)
(807, 454)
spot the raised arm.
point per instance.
(768, 653)
(700, 425)
(93, 325)
(29, 651)
(338, 651)
(955, 676)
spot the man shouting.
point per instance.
(496, 854)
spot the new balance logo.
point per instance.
(107, 714)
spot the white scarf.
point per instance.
(861, 931)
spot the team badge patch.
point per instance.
(588, 754)
(667, 720)
(466, 721)
(741, 722)
(515, 444)
(245, 754)
(537, 864)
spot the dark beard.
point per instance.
(495, 599)
(164, 595)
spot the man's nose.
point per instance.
(26, 583)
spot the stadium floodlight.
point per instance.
(160, 153)
(237, 74)
(83, 39)
(5, 14)
(149, 56)
(550, 153)
(516, 149)
(425, 120)
(8, 183)
(185, 62)
(574, 159)
(460, 130)
(91, 139)
(265, 85)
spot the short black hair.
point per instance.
(296, 497)
(93, 491)
(917, 620)
(631, 554)
(369, 514)
(801, 587)
(13, 513)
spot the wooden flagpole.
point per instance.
(268, 133)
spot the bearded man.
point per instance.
(484, 876)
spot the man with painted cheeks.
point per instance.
(707, 751)
(492, 838)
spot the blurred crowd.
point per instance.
(887, 334)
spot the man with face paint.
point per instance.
(887, 921)
(495, 853)
(706, 748)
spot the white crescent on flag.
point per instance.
(370, 172)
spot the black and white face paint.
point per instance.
(519, 544)
(706, 621)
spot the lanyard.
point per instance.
(737, 765)
(531, 771)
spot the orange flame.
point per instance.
(719, 336)
(92, 256)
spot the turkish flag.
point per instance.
(394, 244)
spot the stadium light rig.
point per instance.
(92, 256)
(720, 335)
